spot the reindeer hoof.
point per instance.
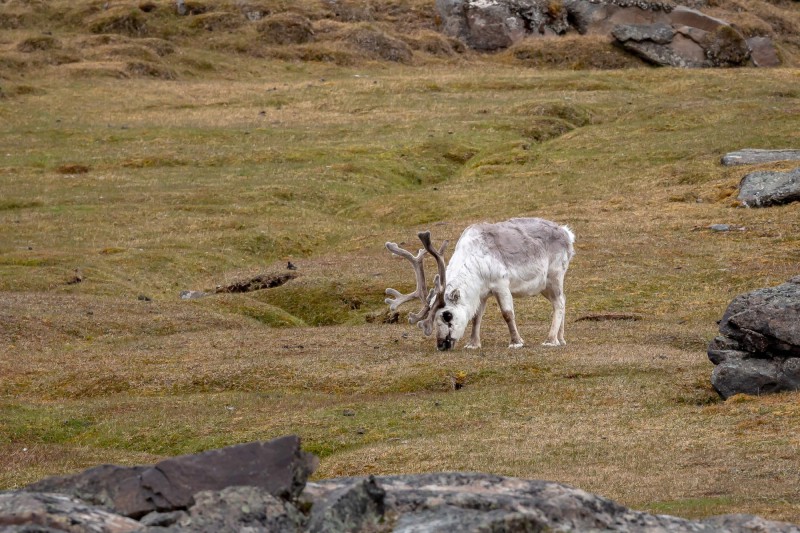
(551, 343)
(516, 345)
(471, 346)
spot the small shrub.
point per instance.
(285, 28)
(433, 43)
(574, 52)
(72, 168)
(125, 21)
(574, 114)
(150, 70)
(37, 43)
(326, 53)
(159, 46)
(376, 44)
(11, 21)
(125, 51)
(542, 129)
(726, 47)
(194, 8)
(217, 21)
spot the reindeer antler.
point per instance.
(436, 296)
(421, 291)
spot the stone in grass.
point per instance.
(765, 188)
(755, 156)
(758, 351)
(192, 295)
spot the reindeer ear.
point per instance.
(454, 296)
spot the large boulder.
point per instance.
(278, 466)
(758, 351)
(766, 188)
(694, 39)
(496, 24)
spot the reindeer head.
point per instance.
(435, 313)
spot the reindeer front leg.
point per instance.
(475, 338)
(506, 302)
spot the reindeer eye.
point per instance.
(447, 316)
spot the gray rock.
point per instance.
(658, 33)
(243, 508)
(278, 466)
(691, 39)
(192, 295)
(353, 507)
(763, 52)
(759, 349)
(660, 54)
(490, 25)
(156, 519)
(720, 227)
(765, 188)
(685, 16)
(677, 35)
(38, 512)
(445, 502)
(755, 156)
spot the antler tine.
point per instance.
(421, 291)
(425, 237)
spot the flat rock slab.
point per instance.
(278, 466)
(755, 156)
(765, 188)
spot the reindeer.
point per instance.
(518, 257)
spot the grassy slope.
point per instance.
(207, 179)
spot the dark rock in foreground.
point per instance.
(764, 188)
(754, 156)
(278, 466)
(759, 349)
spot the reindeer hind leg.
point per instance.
(554, 292)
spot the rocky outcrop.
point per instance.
(685, 37)
(439, 502)
(268, 493)
(758, 351)
(755, 156)
(279, 467)
(658, 32)
(765, 188)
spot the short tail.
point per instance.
(571, 237)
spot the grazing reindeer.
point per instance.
(519, 257)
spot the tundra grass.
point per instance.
(144, 188)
